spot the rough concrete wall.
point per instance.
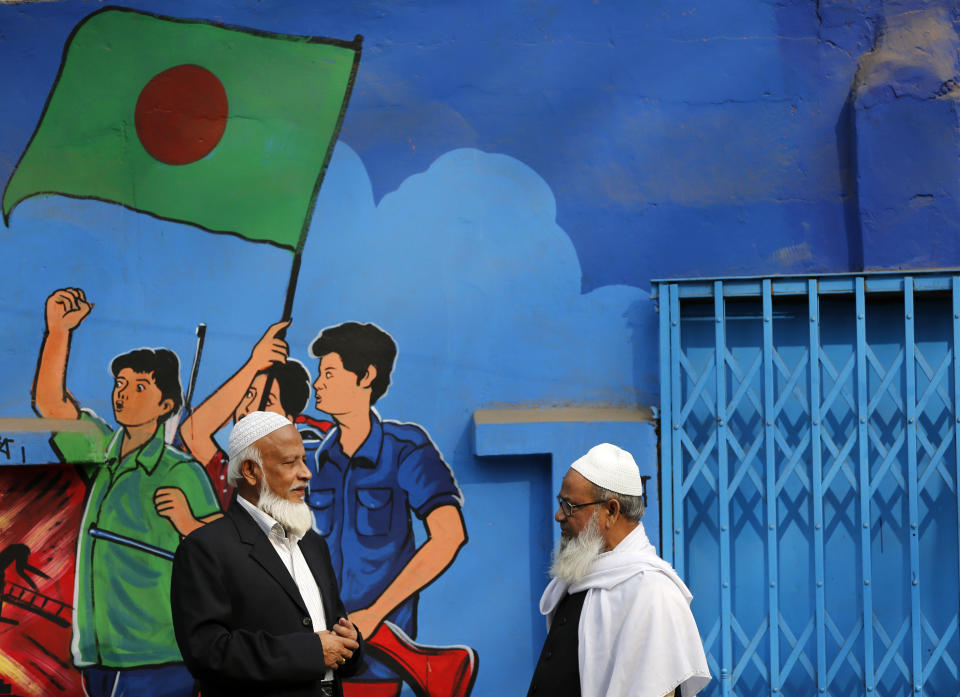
(908, 150)
(507, 181)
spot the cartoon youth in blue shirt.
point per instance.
(370, 475)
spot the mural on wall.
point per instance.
(171, 134)
(370, 475)
(40, 511)
(131, 523)
(487, 192)
(461, 265)
(228, 130)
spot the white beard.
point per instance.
(295, 518)
(575, 555)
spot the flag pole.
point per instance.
(298, 251)
(291, 289)
(176, 440)
(201, 335)
(287, 314)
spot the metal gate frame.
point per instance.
(733, 458)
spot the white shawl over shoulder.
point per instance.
(637, 635)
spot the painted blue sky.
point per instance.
(711, 121)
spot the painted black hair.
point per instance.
(162, 364)
(293, 382)
(360, 345)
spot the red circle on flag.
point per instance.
(181, 114)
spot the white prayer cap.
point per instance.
(252, 428)
(611, 468)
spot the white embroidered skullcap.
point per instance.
(252, 428)
(611, 468)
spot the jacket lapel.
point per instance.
(263, 553)
(320, 571)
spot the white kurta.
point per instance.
(637, 634)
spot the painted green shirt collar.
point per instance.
(147, 455)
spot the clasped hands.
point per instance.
(338, 643)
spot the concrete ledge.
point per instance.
(566, 433)
(521, 415)
(29, 424)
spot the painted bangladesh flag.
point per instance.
(224, 128)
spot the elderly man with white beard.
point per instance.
(256, 609)
(618, 616)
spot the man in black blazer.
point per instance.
(250, 590)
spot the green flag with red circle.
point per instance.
(223, 128)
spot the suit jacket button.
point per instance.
(306, 621)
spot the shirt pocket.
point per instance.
(374, 511)
(321, 503)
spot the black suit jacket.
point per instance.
(240, 622)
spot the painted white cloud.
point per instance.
(466, 267)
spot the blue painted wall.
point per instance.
(508, 179)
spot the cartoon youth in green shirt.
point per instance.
(142, 497)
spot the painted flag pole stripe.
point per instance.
(101, 534)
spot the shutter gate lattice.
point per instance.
(809, 479)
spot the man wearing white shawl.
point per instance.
(612, 602)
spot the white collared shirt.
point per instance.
(288, 549)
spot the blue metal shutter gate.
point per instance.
(809, 479)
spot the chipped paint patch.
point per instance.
(915, 56)
(788, 256)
